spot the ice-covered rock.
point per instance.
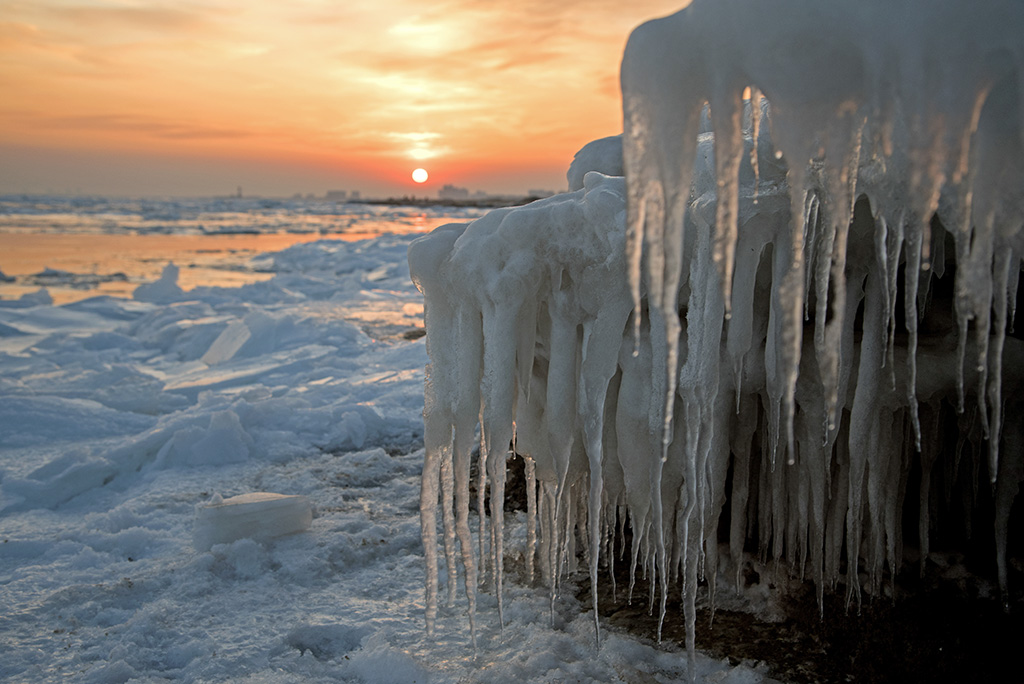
(778, 305)
(603, 155)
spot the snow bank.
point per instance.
(642, 343)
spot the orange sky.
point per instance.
(197, 97)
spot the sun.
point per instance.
(420, 175)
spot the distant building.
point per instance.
(354, 195)
(337, 195)
(453, 193)
(539, 193)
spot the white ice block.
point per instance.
(257, 515)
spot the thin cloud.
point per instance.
(173, 130)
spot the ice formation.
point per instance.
(761, 306)
(256, 515)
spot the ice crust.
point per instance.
(754, 298)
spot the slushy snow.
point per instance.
(758, 296)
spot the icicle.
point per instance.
(995, 390)
(727, 117)
(498, 392)
(881, 236)
(448, 515)
(982, 293)
(755, 135)
(428, 531)
(531, 517)
(1011, 289)
(865, 417)
(842, 214)
(893, 249)
(910, 275)
(714, 500)
(791, 296)
(601, 345)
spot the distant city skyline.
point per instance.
(104, 97)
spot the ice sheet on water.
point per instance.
(51, 277)
(210, 215)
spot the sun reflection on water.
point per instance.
(81, 252)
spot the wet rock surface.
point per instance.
(944, 627)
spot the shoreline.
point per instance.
(477, 203)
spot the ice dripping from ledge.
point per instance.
(756, 303)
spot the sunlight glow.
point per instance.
(302, 97)
(420, 175)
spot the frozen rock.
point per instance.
(257, 515)
(603, 155)
(764, 247)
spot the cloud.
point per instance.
(159, 20)
(17, 34)
(149, 126)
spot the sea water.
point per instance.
(80, 247)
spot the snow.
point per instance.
(635, 335)
(164, 291)
(122, 420)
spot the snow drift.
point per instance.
(763, 300)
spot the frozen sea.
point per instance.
(279, 353)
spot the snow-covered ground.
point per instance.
(119, 417)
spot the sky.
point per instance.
(202, 97)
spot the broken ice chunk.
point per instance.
(257, 515)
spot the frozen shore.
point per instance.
(118, 417)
